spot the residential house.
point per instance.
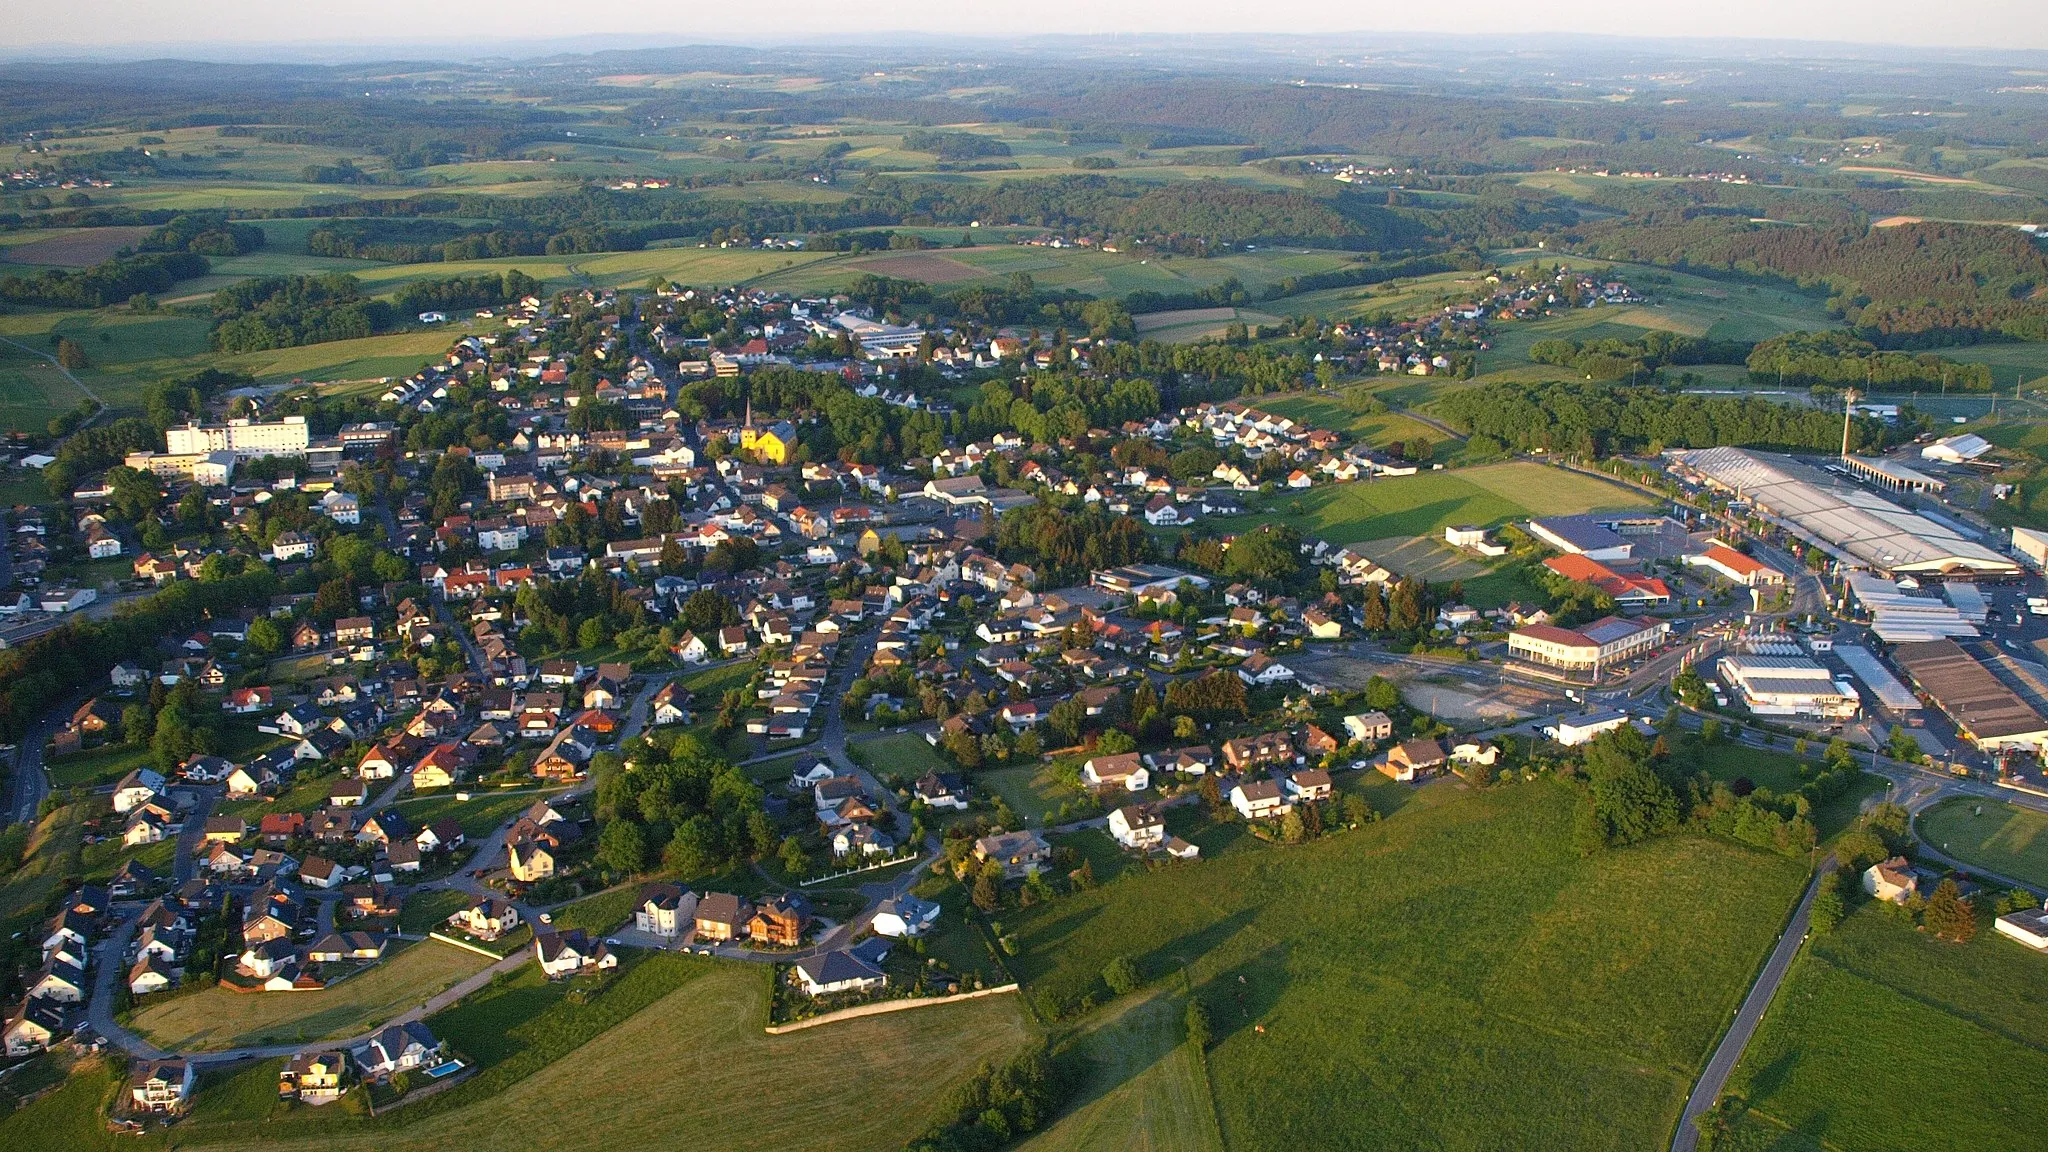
(721, 917)
(1019, 853)
(1259, 799)
(666, 910)
(1137, 826)
(837, 972)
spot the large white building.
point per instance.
(1598, 645)
(1786, 686)
(247, 439)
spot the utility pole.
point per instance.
(1848, 411)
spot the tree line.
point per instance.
(1595, 419)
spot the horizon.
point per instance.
(231, 32)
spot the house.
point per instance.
(1019, 853)
(567, 953)
(1367, 727)
(942, 790)
(487, 919)
(321, 872)
(1264, 750)
(225, 829)
(1891, 880)
(1259, 799)
(443, 835)
(36, 1025)
(1260, 668)
(313, 1077)
(529, 860)
(1125, 771)
(721, 916)
(137, 788)
(1572, 731)
(398, 1048)
(666, 910)
(1137, 826)
(162, 1085)
(1308, 785)
(61, 981)
(347, 793)
(670, 705)
(860, 839)
(906, 915)
(338, 946)
(1414, 759)
(150, 974)
(837, 972)
(780, 921)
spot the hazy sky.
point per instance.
(433, 27)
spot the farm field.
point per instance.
(865, 1082)
(2006, 839)
(217, 1018)
(1423, 504)
(1188, 325)
(73, 247)
(32, 390)
(1144, 1089)
(1971, 1021)
(1455, 952)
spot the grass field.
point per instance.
(2004, 838)
(1456, 975)
(74, 247)
(1347, 411)
(479, 815)
(1145, 1089)
(217, 1018)
(1422, 505)
(1966, 1025)
(1029, 789)
(598, 914)
(103, 765)
(899, 754)
(1779, 771)
(52, 852)
(1187, 325)
(860, 1085)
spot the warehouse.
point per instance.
(1787, 686)
(1857, 527)
(1983, 708)
(1581, 536)
(1602, 643)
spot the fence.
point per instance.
(880, 1007)
(857, 871)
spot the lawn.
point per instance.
(53, 853)
(1455, 953)
(217, 1018)
(899, 754)
(1144, 1089)
(105, 764)
(1966, 1024)
(1030, 790)
(1424, 504)
(1779, 771)
(598, 914)
(864, 1084)
(2001, 837)
(70, 1118)
(1348, 412)
(479, 815)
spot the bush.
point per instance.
(1121, 975)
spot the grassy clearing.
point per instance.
(1349, 412)
(479, 816)
(865, 1083)
(1780, 772)
(1030, 790)
(899, 754)
(599, 914)
(71, 1116)
(1458, 952)
(1969, 1021)
(217, 1018)
(1423, 504)
(2004, 838)
(1145, 1088)
(53, 852)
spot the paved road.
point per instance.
(31, 784)
(1729, 1054)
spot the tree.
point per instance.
(1381, 695)
(70, 355)
(1196, 1020)
(986, 895)
(136, 724)
(622, 847)
(1827, 903)
(1183, 727)
(795, 860)
(1115, 742)
(709, 610)
(1121, 975)
(1292, 830)
(1948, 915)
(265, 637)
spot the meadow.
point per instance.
(218, 1018)
(1456, 975)
(1963, 1027)
(899, 754)
(695, 1068)
(2003, 838)
(1143, 1087)
(1350, 411)
(1423, 504)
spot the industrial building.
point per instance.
(1858, 528)
(1729, 564)
(1581, 536)
(1787, 686)
(1626, 590)
(1984, 709)
(2032, 545)
(1958, 449)
(247, 439)
(1899, 617)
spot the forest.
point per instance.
(1596, 419)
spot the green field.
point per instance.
(1423, 504)
(899, 754)
(2003, 838)
(218, 1018)
(1346, 411)
(1456, 975)
(1145, 1088)
(479, 815)
(1779, 771)
(863, 1084)
(1967, 1025)
(94, 767)
(1029, 789)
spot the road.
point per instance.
(1729, 1053)
(66, 372)
(31, 783)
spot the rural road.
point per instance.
(1715, 1079)
(75, 381)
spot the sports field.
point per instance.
(1965, 1025)
(2003, 838)
(217, 1018)
(1423, 504)
(695, 1070)
(1455, 975)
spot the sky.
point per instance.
(435, 28)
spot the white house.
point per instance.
(137, 788)
(837, 972)
(1137, 826)
(665, 910)
(1572, 731)
(905, 915)
(1126, 771)
(1259, 799)
(2029, 926)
